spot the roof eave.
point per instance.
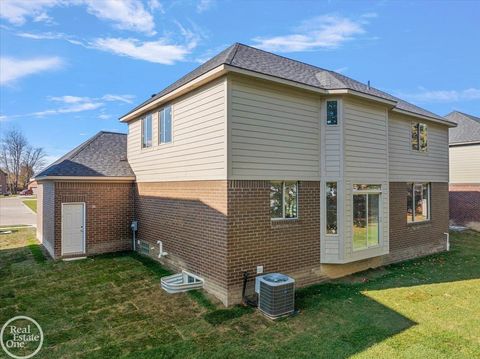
(87, 178)
(189, 86)
(429, 118)
(467, 143)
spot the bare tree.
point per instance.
(19, 159)
(33, 160)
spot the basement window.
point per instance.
(418, 202)
(283, 200)
(332, 113)
(419, 137)
(147, 131)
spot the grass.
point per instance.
(31, 203)
(112, 306)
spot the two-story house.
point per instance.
(256, 160)
(465, 169)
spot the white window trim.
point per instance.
(429, 197)
(339, 118)
(142, 129)
(380, 216)
(283, 218)
(160, 143)
(419, 151)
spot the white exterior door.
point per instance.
(73, 228)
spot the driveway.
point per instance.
(13, 211)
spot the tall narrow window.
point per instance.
(366, 216)
(283, 200)
(332, 112)
(331, 208)
(147, 131)
(418, 202)
(165, 125)
(419, 136)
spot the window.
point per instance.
(366, 216)
(147, 131)
(331, 210)
(418, 202)
(332, 112)
(283, 200)
(165, 125)
(419, 136)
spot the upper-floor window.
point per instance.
(331, 207)
(283, 200)
(418, 202)
(332, 112)
(165, 125)
(419, 136)
(147, 131)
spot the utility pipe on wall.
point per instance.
(448, 240)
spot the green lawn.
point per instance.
(31, 203)
(112, 306)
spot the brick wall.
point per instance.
(409, 240)
(465, 204)
(109, 212)
(189, 217)
(287, 246)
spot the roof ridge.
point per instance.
(283, 57)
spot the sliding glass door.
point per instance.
(366, 217)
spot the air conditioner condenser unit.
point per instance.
(276, 294)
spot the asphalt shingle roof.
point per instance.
(263, 62)
(467, 130)
(103, 155)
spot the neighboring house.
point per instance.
(33, 185)
(3, 182)
(252, 160)
(465, 169)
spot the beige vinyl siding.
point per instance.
(365, 162)
(465, 164)
(409, 165)
(365, 140)
(198, 148)
(274, 132)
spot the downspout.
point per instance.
(448, 240)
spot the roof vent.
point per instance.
(153, 95)
(368, 83)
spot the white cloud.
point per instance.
(78, 107)
(204, 5)
(323, 32)
(12, 69)
(126, 14)
(69, 99)
(427, 96)
(17, 11)
(159, 51)
(341, 70)
(74, 104)
(119, 98)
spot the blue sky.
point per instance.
(70, 68)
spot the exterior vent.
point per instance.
(276, 294)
